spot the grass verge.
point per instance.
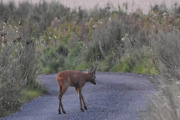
(32, 91)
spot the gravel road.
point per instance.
(116, 96)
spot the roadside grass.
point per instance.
(32, 91)
(25, 95)
(142, 65)
(165, 105)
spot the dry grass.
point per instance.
(166, 104)
(17, 69)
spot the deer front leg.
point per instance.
(80, 96)
(83, 102)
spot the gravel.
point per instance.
(116, 96)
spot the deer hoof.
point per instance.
(82, 110)
(85, 107)
(59, 111)
(64, 112)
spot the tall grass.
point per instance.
(17, 68)
(166, 105)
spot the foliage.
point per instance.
(52, 59)
(82, 66)
(166, 103)
(136, 63)
(122, 67)
(32, 91)
(17, 68)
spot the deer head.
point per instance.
(92, 73)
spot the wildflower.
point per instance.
(122, 39)
(178, 82)
(94, 26)
(164, 14)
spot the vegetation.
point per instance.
(9, 105)
(32, 91)
(166, 104)
(48, 38)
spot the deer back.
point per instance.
(72, 78)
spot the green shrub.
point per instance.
(32, 91)
(165, 104)
(135, 63)
(122, 67)
(46, 70)
(145, 67)
(82, 66)
(53, 59)
(17, 68)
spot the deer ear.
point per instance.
(94, 71)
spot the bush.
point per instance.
(17, 69)
(82, 66)
(53, 59)
(122, 67)
(146, 67)
(31, 91)
(136, 63)
(166, 104)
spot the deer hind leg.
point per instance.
(63, 90)
(59, 97)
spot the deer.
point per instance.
(77, 80)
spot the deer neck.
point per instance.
(88, 77)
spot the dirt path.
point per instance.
(114, 97)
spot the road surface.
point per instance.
(116, 96)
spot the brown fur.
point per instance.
(75, 79)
